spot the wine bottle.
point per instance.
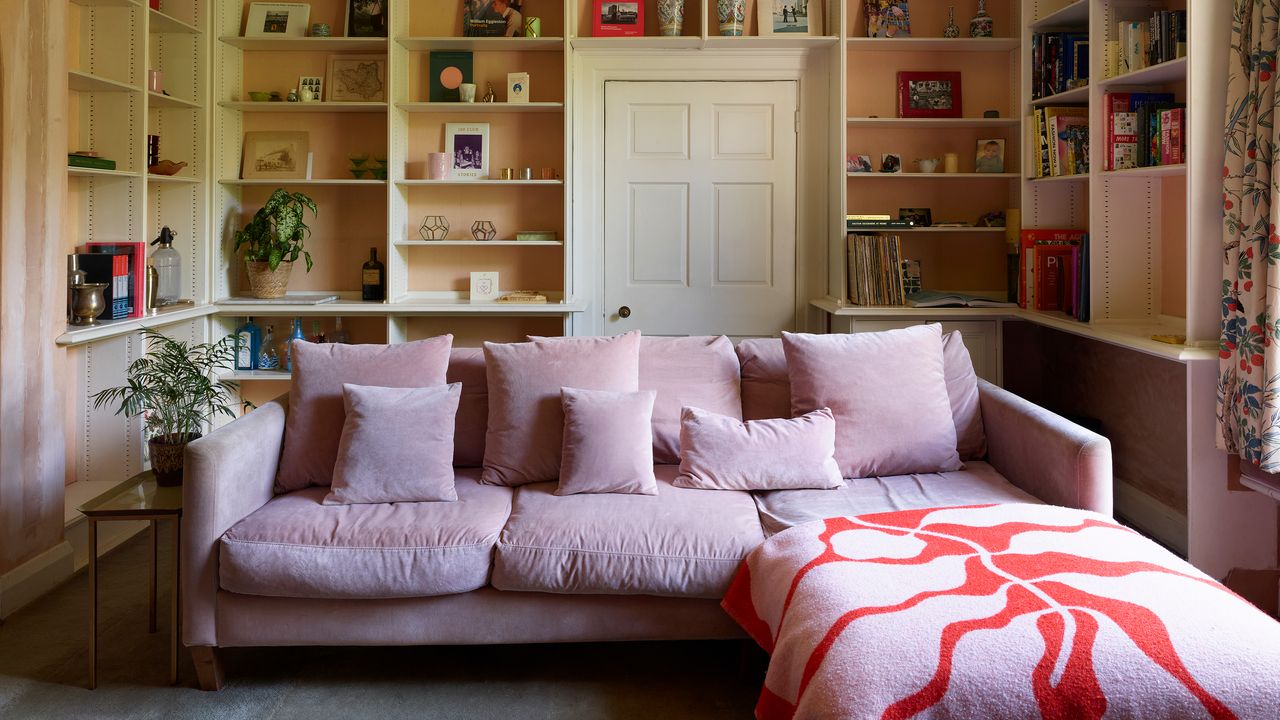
(373, 278)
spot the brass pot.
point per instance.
(167, 452)
(266, 283)
(87, 303)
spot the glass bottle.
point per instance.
(373, 278)
(317, 332)
(338, 335)
(982, 24)
(168, 263)
(267, 357)
(248, 346)
(288, 350)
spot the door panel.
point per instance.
(659, 238)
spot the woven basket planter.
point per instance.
(265, 283)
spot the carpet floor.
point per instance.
(44, 669)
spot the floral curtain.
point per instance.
(1249, 379)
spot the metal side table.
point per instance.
(138, 498)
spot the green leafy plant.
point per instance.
(172, 386)
(277, 231)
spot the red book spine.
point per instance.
(1166, 137)
(1175, 135)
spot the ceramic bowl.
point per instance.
(259, 96)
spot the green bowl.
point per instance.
(259, 96)
(378, 173)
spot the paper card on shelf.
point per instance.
(484, 287)
(518, 87)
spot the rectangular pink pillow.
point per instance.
(888, 392)
(696, 371)
(526, 422)
(724, 453)
(397, 445)
(608, 442)
(314, 425)
(962, 391)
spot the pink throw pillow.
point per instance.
(466, 366)
(397, 445)
(962, 390)
(766, 389)
(724, 453)
(888, 392)
(314, 426)
(696, 371)
(526, 422)
(608, 442)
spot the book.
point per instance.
(523, 297)
(1071, 145)
(1120, 115)
(440, 61)
(868, 217)
(856, 225)
(536, 235)
(105, 268)
(481, 20)
(89, 161)
(1052, 270)
(1055, 148)
(136, 282)
(875, 270)
(935, 299)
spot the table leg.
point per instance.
(93, 603)
(174, 621)
(151, 605)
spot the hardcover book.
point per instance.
(448, 69)
(136, 279)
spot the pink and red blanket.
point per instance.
(1001, 611)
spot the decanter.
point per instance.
(951, 30)
(981, 24)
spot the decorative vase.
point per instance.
(732, 16)
(438, 166)
(483, 230)
(951, 30)
(670, 17)
(265, 283)
(434, 227)
(166, 453)
(981, 25)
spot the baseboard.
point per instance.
(35, 577)
(1151, 516)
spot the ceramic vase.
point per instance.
(670, 17)
(951, 30)
(981, 25)
(434, 227)
(732, 16)
(438, 166)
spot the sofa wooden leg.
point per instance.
(208, 666)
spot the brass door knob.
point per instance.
(624, 312)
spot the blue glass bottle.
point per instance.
(248, 345)
(297, 335)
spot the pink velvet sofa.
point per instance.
(522, 565)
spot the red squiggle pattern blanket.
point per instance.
(1001, 611)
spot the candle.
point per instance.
(951, 163)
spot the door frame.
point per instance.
(593, 68)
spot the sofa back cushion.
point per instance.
(314, 426)
(766, 389)
(962, 390)
(687, 371)
(466, 366)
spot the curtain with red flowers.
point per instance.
(1249, 380)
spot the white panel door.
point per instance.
(700, 207)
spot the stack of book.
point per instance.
(859, 223)
(875, 270)
(1059, 62)
(89, 159)
(1053, 271)
(1143, 43)
(1143, 130)
(101, 264)
(1060, 141)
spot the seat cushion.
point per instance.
(699, 372)
(977, 484)
(680, 542)
(295, 546)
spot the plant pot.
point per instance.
(265, 283)
(167, 452)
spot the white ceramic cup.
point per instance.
(468, 92)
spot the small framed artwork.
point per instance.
(467, 145)
(270, 155)
(919, 217)
(788, 17)
(484, 287)
(314, 83)
(929, 95)
(859, 164)
(888, 18)
(617, 18)
(890, 163)
(357, 78)
(990, 156)
(366, 18)
(277, 19)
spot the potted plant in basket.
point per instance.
(273, 241)
(173, 389)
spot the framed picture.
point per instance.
(859, 164)
(484, 287)
(919, 217)
(789, 17)
(617, 18)
(492, 18)
(890, 163)
(314, 83)
(467, 145)
(357, 78)
(275, 155)
(929, 95)
(989, 157)
(888, 18)
(366, 18)
(277, 19)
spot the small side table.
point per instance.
(138, 498)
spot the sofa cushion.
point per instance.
(526, 423)
(680, 542)
(724, 453)
(314, 425)
(466, 366)
(608, 442)
(962, 391)
(766, 388)
(295, 546)
(687, 371)
(977, 484)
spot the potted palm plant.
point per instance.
(273, 240)
(173, 388)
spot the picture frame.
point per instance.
(989, 156)
(859, 164)
(775, 17)
(314, 83)
(930, 94)
(366, 18)
(277, 19)
(617, 18)
(484, 287)
(891, 163)
(888, 18)
(467, 145)
(357, 78)
(919, 217)
(490, 18)
(275, 155)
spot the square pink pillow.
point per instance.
(608, 442)
(397, 445)
(724, 453)
(962, 390)
(766, 388)
(888, 392)
(697, 371)
(314, 426)
(526, 422)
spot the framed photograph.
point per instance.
(789, 17)
(891, 163)
(492, 18)
(919, 217)
(314, 83)
(484, 287)
(989, 157)
(617, 18)
(357, 78)
(888, 18)
(366, 18)
(467, 145)
(929, 95)
(277, 19)
(859, 164)
(275, 154)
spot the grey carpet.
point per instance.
(43, 670)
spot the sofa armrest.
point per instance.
(227, 475)
(1045, 454)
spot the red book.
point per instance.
(136, 270)
(1176, 147)
(1037, 244)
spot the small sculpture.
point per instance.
(952, 30)
(483, 230)
(434, 227)
(489, 95)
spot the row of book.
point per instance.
(1143, 43)
(1053, 271)
(876, 269)
(122, 266)
(1059, 62)
(1143, 130)
(1059, 143)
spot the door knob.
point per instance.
(624, 312)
